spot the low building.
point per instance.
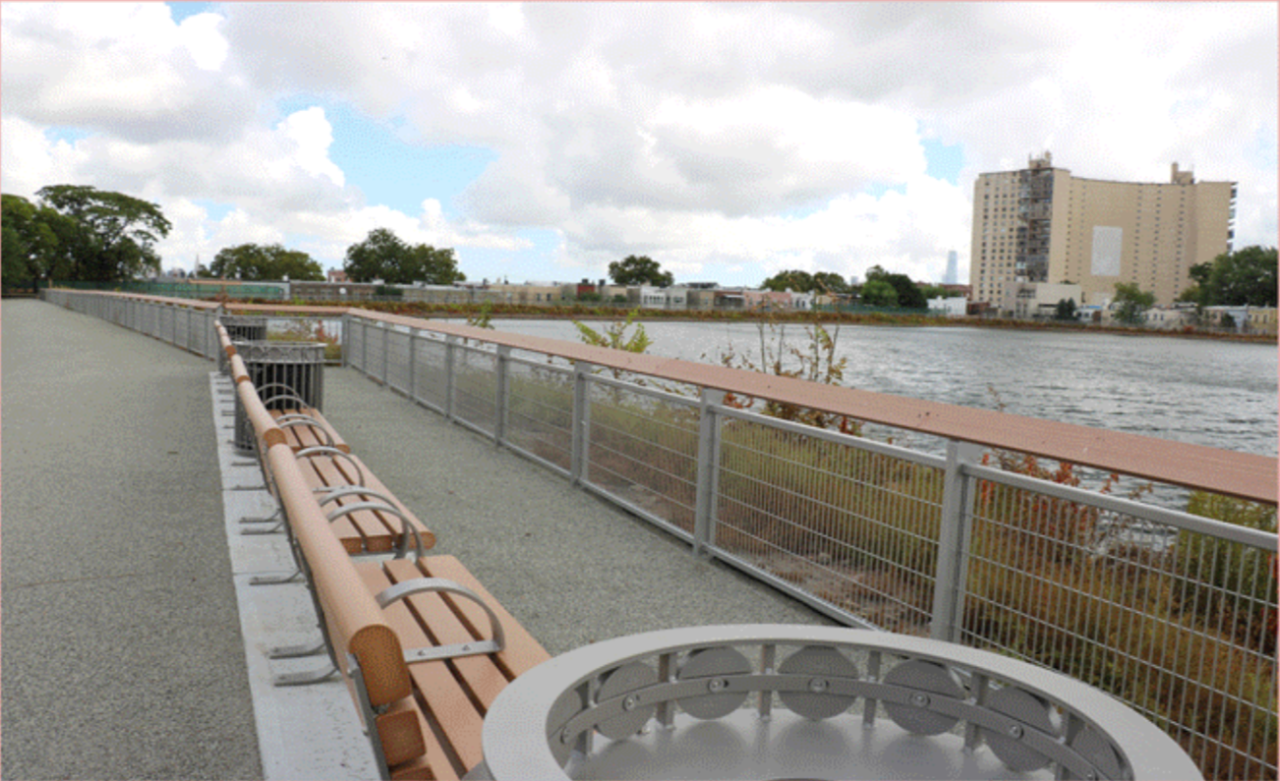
(1170, 318)
(949, 307)
(1262, 320)
(1037, 300)
(663, 297)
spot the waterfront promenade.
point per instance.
(122, 649)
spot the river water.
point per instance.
(1216, 393)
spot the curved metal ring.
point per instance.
(337, 492)
(406, 529)
(420, 585)
(318, 450)
(303, 420)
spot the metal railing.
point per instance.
(1171, 612)
(185, 324)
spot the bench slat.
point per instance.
(446, 705)
(358, 532)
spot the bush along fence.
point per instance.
(993, 545)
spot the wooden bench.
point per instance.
(423, 691)
(366, 517)
(427, 660)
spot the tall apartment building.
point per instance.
(1041, 224)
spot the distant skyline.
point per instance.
(727, 141)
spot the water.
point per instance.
(1216, 393)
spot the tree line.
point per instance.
(77, 233)
(80, 233)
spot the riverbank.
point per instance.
(579, 311)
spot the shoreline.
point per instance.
(582, 312)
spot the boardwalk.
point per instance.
(123, 654)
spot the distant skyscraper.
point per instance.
(1041, 224)
(953, 271)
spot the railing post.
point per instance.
(581, 421)
(364, 347)
(346, 338)
(953, 542)
(413, 365)
(450, 348)
(386, 354)
(704, 515)
(503, 395)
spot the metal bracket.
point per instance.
(275, 516)
(432, 585)
(275, 580)
(296, 651)
(305, 678)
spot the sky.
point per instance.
(727, 141)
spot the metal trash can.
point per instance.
(240, 328)
(286, 375)
(245, 328)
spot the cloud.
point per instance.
(124, 69)
(714, 136)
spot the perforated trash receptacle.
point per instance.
(245, 328)
(287, 375)
(241, 328)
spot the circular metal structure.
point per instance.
(785, 701)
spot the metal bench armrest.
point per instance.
(472, 648)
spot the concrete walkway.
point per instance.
(123, 652)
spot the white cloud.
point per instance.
(313, 135)
(713, 136)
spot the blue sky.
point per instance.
(543, 141)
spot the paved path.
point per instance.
(122, 651)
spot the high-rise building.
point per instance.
(1041, 224)
(953, 269)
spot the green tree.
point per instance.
(110, 236)
(1066, 309)
(793, 279)
(20, 234)
(931, 292)
(1244, 277)
(830, 282)
(383, 255)
(803, 282)
(639, 270)
(256, 263)
(908, 292)
(877, 292)
(1131, 303)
